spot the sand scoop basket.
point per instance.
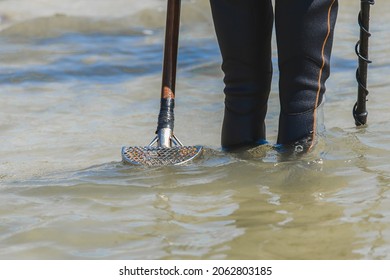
(165, 148)
(156, 156)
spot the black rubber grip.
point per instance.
(166, 118)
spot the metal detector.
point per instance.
(359, 110)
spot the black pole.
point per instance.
(359, 110)
(166, 116)
(170, 49)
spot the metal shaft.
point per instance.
(360, 112)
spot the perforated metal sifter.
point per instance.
(165, 148)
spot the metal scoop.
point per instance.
(165, 148)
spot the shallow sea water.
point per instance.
(79, 81)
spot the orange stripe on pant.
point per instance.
(320, 74)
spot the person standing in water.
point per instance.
(304, 34)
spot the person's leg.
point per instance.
(304, 32)
(244, 29)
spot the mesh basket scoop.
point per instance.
(166, 148)
(158, 156)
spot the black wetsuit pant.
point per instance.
(304, 34)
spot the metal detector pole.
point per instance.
(359, 110)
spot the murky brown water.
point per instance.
(78, 82)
